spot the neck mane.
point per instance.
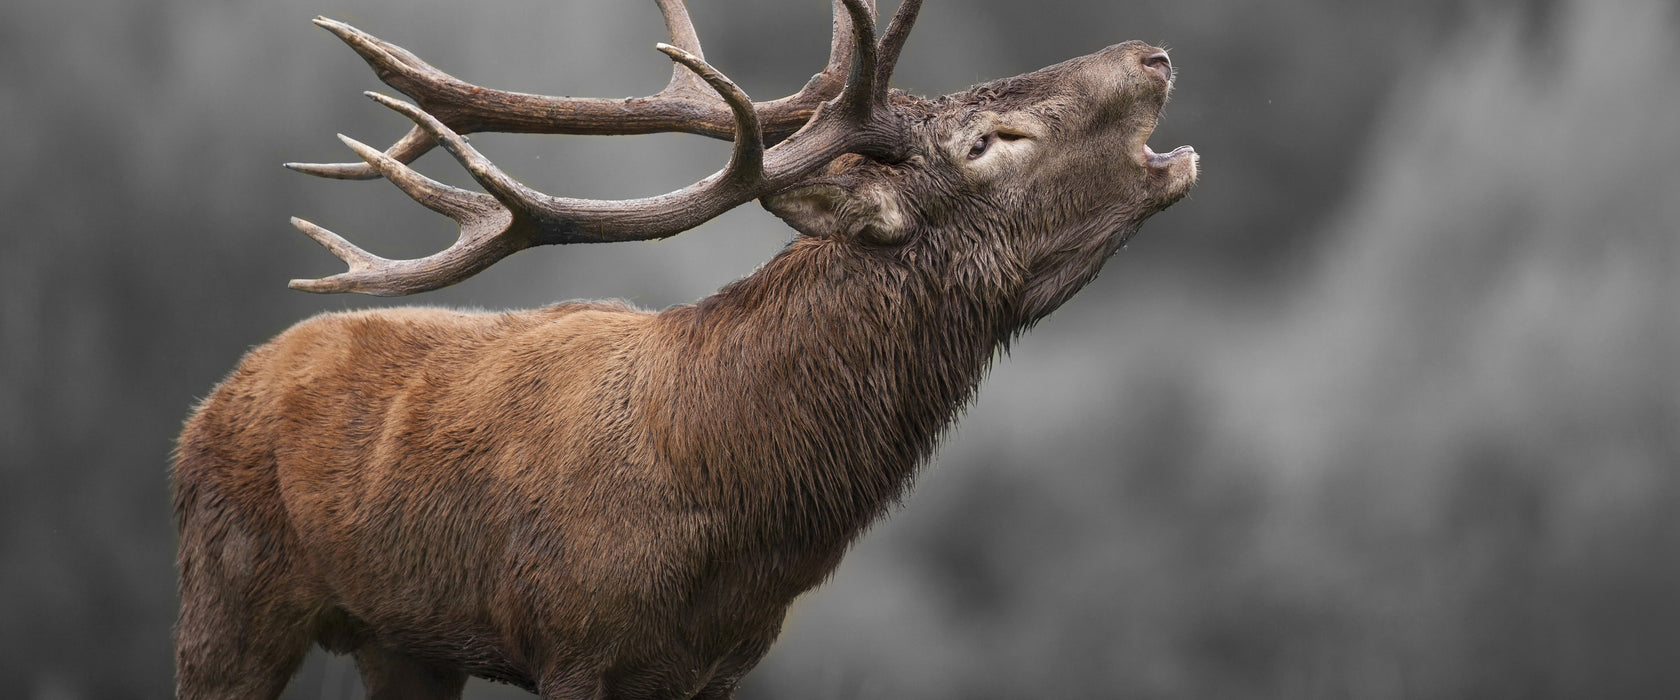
(812, 389)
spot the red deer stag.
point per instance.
(592, 501)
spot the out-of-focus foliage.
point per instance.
(1390, 407)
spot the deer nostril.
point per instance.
(1159, 63)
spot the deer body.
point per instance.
(591, 501)
(688, 473)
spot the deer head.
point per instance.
(1020, 187)
(1029, 182)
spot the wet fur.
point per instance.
(591, 501)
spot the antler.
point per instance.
(684, 105)
(513, 217)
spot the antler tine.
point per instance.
(859, 96)
(892, 43)
(358, 259)
(683, 82)
(407, 149)
(463, 206)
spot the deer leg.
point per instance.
(391, 675)
(237, 636)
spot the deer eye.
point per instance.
(982, 144)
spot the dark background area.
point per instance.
(1388, 408)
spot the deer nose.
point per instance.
(1159, 63)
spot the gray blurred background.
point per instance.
(1388, 408)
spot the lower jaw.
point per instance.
(1161, 161)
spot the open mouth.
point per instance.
(1175, 171)
(1161, 161)
(1148, 158)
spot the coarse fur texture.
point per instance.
(593, 501)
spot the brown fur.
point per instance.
(591, 501)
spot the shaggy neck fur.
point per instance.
(817, 386)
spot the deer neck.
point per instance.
(813, 388)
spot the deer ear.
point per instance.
(869, 212)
